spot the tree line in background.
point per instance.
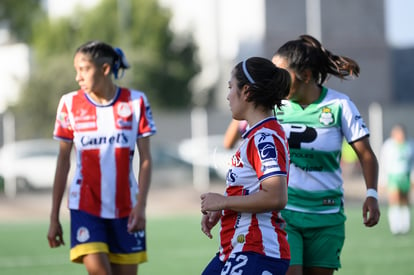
(162, 63)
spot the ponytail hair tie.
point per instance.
(120, 63)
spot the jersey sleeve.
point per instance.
(146, 124)
(267, 155)
(353, 125)
(63, 129)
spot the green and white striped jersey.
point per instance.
(315, 136)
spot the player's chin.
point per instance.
(84, 88)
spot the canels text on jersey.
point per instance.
(120, 138)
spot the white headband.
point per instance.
(246, 72)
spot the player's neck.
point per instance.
(258, 115)
(309, 94)
(105, 95)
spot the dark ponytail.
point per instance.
(308, 53)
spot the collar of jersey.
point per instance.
(316, 102)
(257, 126)
(117, 93)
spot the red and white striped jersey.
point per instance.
(104, 137)
(263, 153)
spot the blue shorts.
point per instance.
(91, 234)
(247, 263)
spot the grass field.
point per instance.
(177, 246)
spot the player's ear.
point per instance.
(245, 91)
(306, 76)
(106, 68)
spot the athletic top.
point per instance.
(105, 137)
(315, 136)
(263, 153)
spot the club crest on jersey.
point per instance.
(124, 116)
(267, 150)
(327, 117)
(124, 110)
(82, 235)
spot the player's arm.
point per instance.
(271, 197)
(137, 217)
(369, 166)
(55, 234)
(232, 134)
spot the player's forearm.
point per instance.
(59, 187)
(370, 172)
(262, 201)
(144, 182)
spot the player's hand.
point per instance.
(136, 220)
(55, 234)
(208, 221)
(212, 202)
(370, 212)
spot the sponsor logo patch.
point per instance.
(267, 150)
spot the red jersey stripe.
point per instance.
(90, 185)
(123, 194)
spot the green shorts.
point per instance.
(400, 182)
(312, 246)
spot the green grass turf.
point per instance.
(369, 251)
(177, 246)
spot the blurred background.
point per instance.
(182, 52)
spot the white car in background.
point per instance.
(28, 163)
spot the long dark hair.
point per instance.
(307, 52)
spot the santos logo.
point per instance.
(267, 150)
(120, 138)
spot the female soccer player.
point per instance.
(103, 122)
(316, 119)
(252, 239)
(397, 161)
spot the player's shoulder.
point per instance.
(72, 93)
(68, 97)
(334, 97)
(268, 132)
(332, 94)
(133, 92)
